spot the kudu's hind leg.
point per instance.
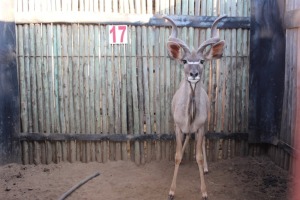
(178, 158)
(200, 160)
(187, 138)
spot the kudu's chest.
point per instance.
(190, 109)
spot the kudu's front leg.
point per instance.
(200, 160)
(178, 158)
(204, 156)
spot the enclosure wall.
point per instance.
(288, 133)
(73, 82)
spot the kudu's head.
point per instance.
(193, 60)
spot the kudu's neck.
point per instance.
(191, 108)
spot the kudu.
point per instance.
(190, 104)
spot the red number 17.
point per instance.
(113, 31)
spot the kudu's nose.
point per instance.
(194, 74)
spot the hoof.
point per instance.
(204, 196)
(205, 170)
(171, 197)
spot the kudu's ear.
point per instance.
(174, 50)
(216, 51)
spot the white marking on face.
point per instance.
(193, 80)
(193, 63)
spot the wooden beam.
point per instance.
(120, 137)
(128, 19)
(287, 148)
(139, 137)
(227, 136)
(93, 137)
(292, 19)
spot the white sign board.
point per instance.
(118, 34)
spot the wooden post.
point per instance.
(266, 72)
(9, 96)
(296, 194)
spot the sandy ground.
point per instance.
(239, 178)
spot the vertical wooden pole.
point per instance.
(117, 97)
(146, 88)
(123, 102)
(25, 153)
(105, 121)
(130, 106)
(162, 86)
(157, 94)
(151, 58)
(136, 119)
(225, 149)
(140, 89)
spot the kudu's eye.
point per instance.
(201, 61)
(184, 61)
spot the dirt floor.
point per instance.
(251, 178)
